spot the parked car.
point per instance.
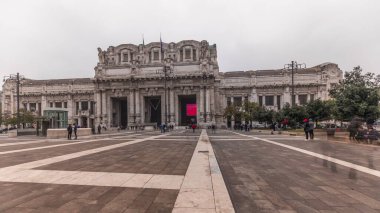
(259, 125)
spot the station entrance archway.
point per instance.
(187, 109)
(153, 110)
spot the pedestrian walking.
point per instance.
(69, 132)
(162, 128)
(75, 127)
(193, 126)
(306, 128)
(99, 129)
(273, 128)
(311, 129)
(213, 128)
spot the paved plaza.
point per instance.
(182, 171)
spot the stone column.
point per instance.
(142, 109)
(263, 97)
(208, 104)
(104, 105)
(176, 110)
(212, 103)
(275, 102)
(171, 104)
(109, 111)
(137, 107)
(12, 103)
(232, 117)
(201, 104)
(98, 107)
(253, 96)
(70, 112)
(287, 96)
(131, 107)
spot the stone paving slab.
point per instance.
(34, 197)
(34, 145)
(263, 177)
(149, 157)
(79, 192)
(360, 155)
(23, 157)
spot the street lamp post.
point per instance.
(294, 66)
(17, 77)
(166, 71)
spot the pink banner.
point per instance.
(191, 109)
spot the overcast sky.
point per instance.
(44, 39)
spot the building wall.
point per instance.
(134, 72)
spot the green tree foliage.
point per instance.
(263, 115)
(320, 110)
(294, 115)
(249, 109)
(357, 95)
(25, 117)
(231, 110)
(9, 119)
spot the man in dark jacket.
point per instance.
(75, 126)
(306, 128)
(69, 131)
(99, 129)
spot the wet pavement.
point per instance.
(181, 171)
(267, 177)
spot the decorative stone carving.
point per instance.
(101, 55)
(109, 55)
(204, 50)
(204, 66)
(134, 66)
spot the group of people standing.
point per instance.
(70, 130)
(164, 128)
(308, 128)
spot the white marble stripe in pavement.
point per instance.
(219, 136)
(25, 142)
(251, 139)
(324, 157)
(232, 139)
(174, 139)
(58, 145)
(203, 188)
(134, 180)
(43, 162)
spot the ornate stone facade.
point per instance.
(163, 82)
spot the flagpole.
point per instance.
(165, 76)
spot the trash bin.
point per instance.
(330, 129)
